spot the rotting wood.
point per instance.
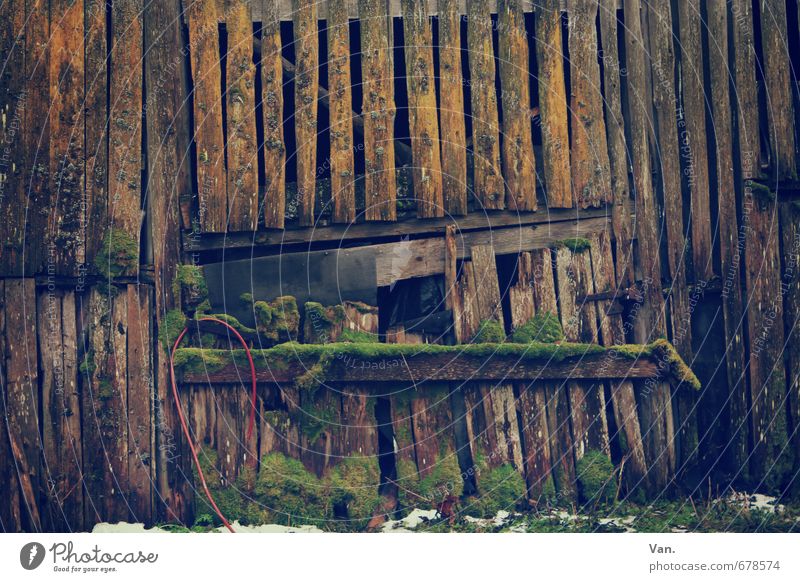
(488, 179)
(553, 106)
(212, 197)
(240, 96)
(746, 98)
(589, 158)
(733, 310)
(519, 163)
(452, 296)
(617, 148)
(692, 138)
(306, 82)
(423, 119)
(10, 509)
(778, 80)
(125, 124)
(451, 110)
(790, 290)
(341, 115)
(272, 105)
(378, 110)
(486, 283)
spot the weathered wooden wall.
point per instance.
(130, 142)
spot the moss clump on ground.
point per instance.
(576, 245)
(542, 327)
(502, 489)
(236, 500)
(489, 332)
(291, 493)
(354, 487)
(170, 327)
(118, 254)
(357, 336)
(596, 478)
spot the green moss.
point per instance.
(357, 336)
(576, 245)
(596, 478)
(489, 332)
(233, 322)
(277, 320)
(235, 500)
(761, 193)
(292, 494)
(170, 327)
(199, 360)
(118, 255)
(88, 366)
(190, 283)
(502, 488)
(542, 327)
(354, 485)
(667, 356)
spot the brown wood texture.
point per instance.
(519, 162)
(272, 105)
(423, 118)
(242, 144)
(746, 99)
(10, 516)
(125, 123)
(486, 284)
(553, 106)
(591, 178)
(341, 115)
(790, 290)
(451, 110)
(732, 305)
(306, 83)
(692, 135)
(212, 196)
(488, 178)
(378, 109)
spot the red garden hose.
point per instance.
(183, 420)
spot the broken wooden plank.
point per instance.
(589, 159)
(242, 144)
(488, 178)
(451, 110)
(212, 197)
(423, 119)
(272, 105)
(519, 162)
(306, 82)
(341, 115)
(378, 109)
(553, 106)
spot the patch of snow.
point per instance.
(123, 527)
(409, 522)
(498, 520)
(623, 522)
(757, 501)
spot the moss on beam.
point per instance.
(669, 360)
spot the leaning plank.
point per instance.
(306, 82)
(451, 110)
(66, 227)
(212, 198)
(553, 106)
(733, 310)
(487, 285)
(379, 112)
(693, 130)
(488, 179)
(519, 163)
(591, 180)
(778, 79)
(272, 105)
(341, 115)
(125, 126)
(424, 124)
(242, 144)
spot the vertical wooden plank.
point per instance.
(486, 283)
(378, 110)
(96, 127)
(562, 447)
(22, 395)
(790, 290)
(451, 110)
(553, 105)
(488, 179)
(452, 296)
(692, 125)
(778, 79)
(422, 112)
(746, 99)
(67, 219)
(242, 144)
(125, 122)
(212, 198)
(61, 418)
(733, 310)
(140, 403)
(519, 162)
(306, 84)
(591, 179)
(617, 148)
(341, 114)
(272, 95)
(165, 96)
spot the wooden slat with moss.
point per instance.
(272, 105)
